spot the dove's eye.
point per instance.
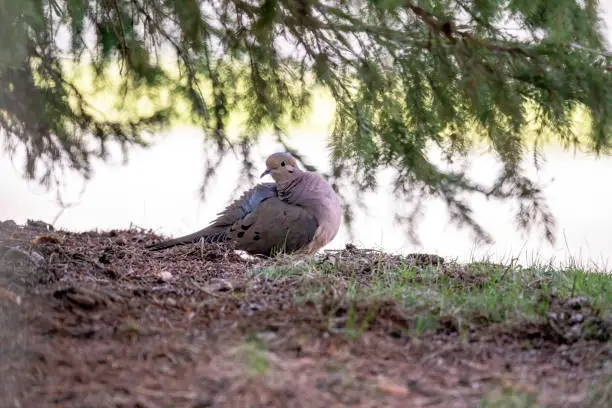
(283, 163)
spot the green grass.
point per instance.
(599, 396)
(478, 293)
(253, 354)
(509, 398)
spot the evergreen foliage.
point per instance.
(405, 75)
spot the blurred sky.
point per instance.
(606, 9)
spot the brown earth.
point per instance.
(93, 320)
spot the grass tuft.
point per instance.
(430, 292)
(510, 398)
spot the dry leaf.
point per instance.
(388, 387)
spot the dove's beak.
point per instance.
(265, 173)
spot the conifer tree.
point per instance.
(405, 76)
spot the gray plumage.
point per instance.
(300, 212)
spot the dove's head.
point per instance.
(281, 166)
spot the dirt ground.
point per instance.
(93, 320)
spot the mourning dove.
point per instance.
(300, 212)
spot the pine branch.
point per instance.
(403, 76)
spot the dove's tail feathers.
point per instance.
(208, 235)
